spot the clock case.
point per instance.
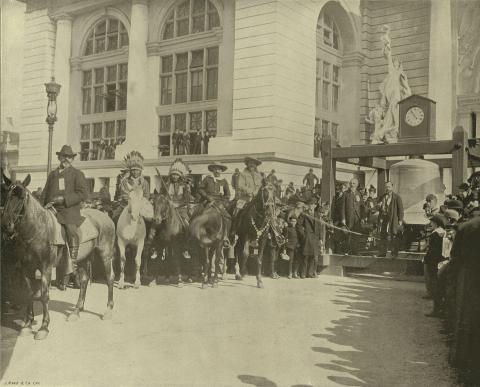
(425, 131)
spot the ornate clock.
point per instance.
(417, 119)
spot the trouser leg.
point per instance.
(73, 240)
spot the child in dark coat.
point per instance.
(291, 246)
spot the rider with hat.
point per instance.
(65, 189)
(250, 180)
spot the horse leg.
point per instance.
(238, 253)
(45, 297)
(214, 260)
(206, 268)
(245, 255)
(273, 261)
(83, 279)
(123, 259)
(107, 263)
(138, 262)
(261, 248)
(177, 259)
(26, 329)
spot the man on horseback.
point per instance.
(65, 189)
(214, 191)
(132, 178)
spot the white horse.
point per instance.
(131, 231)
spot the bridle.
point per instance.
(18, 211)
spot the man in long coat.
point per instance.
(310, 231)
(390, 220)
(351, 210)
(65, 189)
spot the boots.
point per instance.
(73, 258)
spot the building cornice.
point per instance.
(79, 7)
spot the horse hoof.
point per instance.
(180, 285)
(136, 285)
(260, 285)
(215, 285)
(25, 331)
(41, 334)
(74, 316)
(238, 277)
(204, 285)
(121, 285)
(107, 315)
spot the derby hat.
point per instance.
(464, 186)
(66, 151)
(454, 205)
(248, 159)
(215, 165)
(439, 220)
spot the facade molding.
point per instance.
(164, 110)
(80, 7)
(98, 60)
(468, 103)
(353, 59)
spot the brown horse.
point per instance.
(169, 231)
(33, 229)
(253, 224)
(208, 229)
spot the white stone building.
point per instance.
(262, 75)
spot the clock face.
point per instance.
(415, 116)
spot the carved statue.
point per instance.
(394, 88)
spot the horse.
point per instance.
(253, 224)
(208, 229)
(131, 231)
(33, 229)
(169, 231)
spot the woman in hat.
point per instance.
(65, 189)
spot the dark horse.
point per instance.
(33, 228)
(208, 229)
(169, 232)
(253, 224)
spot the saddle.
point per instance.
(87, 231)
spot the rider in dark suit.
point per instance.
(351, 210)
(65, 189)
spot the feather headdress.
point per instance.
(180, 168)
(133, 160)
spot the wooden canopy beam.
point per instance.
(370, 162)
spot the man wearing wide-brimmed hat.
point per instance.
(250, 180)
(214, 188)
(65, 189)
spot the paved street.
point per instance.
(327, 332)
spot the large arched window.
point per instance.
(104, 90)
(191, 17)
(328, 74)
(189, 80)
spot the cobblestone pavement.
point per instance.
(331, 331)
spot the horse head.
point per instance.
(14, 203)
(138, 205)
(161, 207)
(266, 198)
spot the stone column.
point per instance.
(140, 109)
(440, 78)
(61, 65)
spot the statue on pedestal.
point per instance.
(393, 89)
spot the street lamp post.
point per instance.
(53, 89)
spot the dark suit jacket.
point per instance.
(434, 252)
(215, 189)
(351, 209)
(74, 193)
(310, 231)
(393, 215)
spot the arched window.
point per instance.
(104, 90)
(191, 17)
(328, 74)
(189, 81)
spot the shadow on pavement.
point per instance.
(384, 340)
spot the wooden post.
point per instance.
(459, 158)
(328, 170)
(381, 179)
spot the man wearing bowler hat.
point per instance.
(65, 189)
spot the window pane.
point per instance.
(198, 6)
(213, 19)
(335, 98)
(168, 32)
(98, 100)
(100, 45)
(122, 96)
(335, 74)
(325, 95)
(327, 37)
(212, 56)
(326, 70)
(124, 39)
(85, 132)
(110, 98)
(335, 40)
(182, 27)
(181, 89)
(111, 73)
(166, 86)
(195, 121)
(164, 145)
(123, 71)
(198, 24)
(110, 129)
(182, 61)
(99, 76)
(165, 124)
(87, 101)
(97, 130)
(112, 42)
(196, 93)
(112, 25)
(211, 119)
(167, 64)
(197, 58)
(325, 127)
(180, 122)
(87, 78)
(183, 10)
(84, 150)
(89, 47)
(212, 83)
(121, 129)
(335, 131)
(100, 28)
